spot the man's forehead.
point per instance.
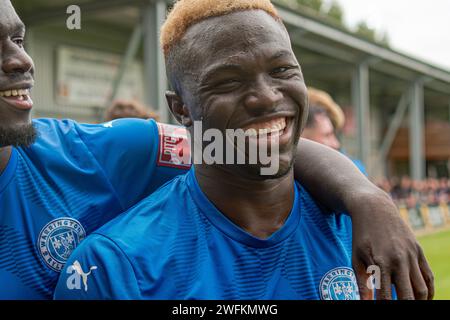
(234, 36)
(238, 28)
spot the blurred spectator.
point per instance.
(409, 193)
(129, 109)
(324, 119)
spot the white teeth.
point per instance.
(271, 127)
(251, 133)
(15, 93)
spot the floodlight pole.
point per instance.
(417, 131)
(154, 65)
(361, 101)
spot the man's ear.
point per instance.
(179, 109)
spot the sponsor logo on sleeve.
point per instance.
(174, 147)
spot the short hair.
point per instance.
(321, 99)
(186, 13)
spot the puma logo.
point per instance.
(84, 276)
(108, 124)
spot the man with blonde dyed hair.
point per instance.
(223, 231)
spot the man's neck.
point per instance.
(5, 154)
(260, 207)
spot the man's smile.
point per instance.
(273, 127)
(279, 128)
(18, 98)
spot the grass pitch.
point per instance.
(437, 251)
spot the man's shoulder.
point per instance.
(49, 125)
(132, 135)
(306, 201)
(311, 207)
(315, 215)
(155, 217)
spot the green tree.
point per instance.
(316, 5)
(335, 12)
(365, 31)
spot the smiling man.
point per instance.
(60, 180)
(15, 118)
(231, 233)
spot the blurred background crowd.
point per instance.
(411, 193)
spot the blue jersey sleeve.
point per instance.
(128, 152)
(97, 270)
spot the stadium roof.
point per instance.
(307, 31)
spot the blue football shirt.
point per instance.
(66, 185)
(176, 245)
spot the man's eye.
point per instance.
(229, 81)
(287, 72)
(19, 41)
(280, 70)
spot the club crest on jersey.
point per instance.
(58, 239)
(339, 284)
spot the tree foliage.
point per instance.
(316, 5)
(333, 11)
(336, 13)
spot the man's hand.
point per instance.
(382, 239)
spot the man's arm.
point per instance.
(380, 237)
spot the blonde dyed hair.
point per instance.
(186, 13)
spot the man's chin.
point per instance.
(265, 172)
(19, 136)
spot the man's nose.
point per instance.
(16, 60)
(263, 97)
(335, 144)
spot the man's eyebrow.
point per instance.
(213, 71)
(281, 54)
(19, 27)
(218, 69)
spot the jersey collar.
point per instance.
(10, 170)
(226, 226)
